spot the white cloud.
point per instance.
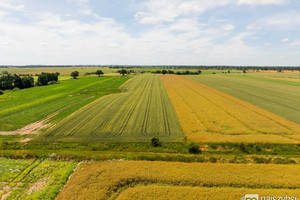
(228, 27)
(285, 40)
(263, 2)
(157, 11)
(10, 5)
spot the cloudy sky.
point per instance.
(201, 32)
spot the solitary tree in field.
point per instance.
(123, 72)
(164, 72)
(75, 74)
(99, 72)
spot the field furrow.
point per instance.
(278, 98)
(208, 115)
(107, 180)
(143, 110)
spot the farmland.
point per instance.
(103, 126)
(140, 112)
(274, 92)
(187, 192)
(33, 179)
(139, 179)
(22, 107)
(208, 115)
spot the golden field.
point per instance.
(208, 115)
(105, 180)
(160, 192)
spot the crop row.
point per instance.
(141, 111)
(208, 115)
(102, 180)
(33, 179)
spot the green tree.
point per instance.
(194, 148)
(99, 72)
(18, 82)
(123, 71)
(27, 81)
(155, 142)
(75, 74)
(164, 72)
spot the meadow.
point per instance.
(142, 111)
(155, 180)
(208, 115)
(33, 179)
(22, 107)
(276, 92)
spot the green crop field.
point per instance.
(141, 111)
(22, 107)
(280, 96)
(33, 179)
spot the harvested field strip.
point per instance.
(161, 192)
(141, 111)
(208, 115)
(277, 98)
(103, 180)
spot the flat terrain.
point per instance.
(156, 180)
(141, 111)
(276, 92)
(33, 179)
(22, 107)
(64, 71)
(208, 115)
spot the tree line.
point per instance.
(178, 72)
(9, 81)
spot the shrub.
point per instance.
(243, 148)
(1, 92)
(213, 159)
(155, 142)
(194, 148)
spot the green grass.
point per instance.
(275, 96)
(140, 112)
(23, 107)
(33, 179)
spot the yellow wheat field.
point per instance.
(104, 180)
(208, 115)
(159, 192)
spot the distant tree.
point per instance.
(194, 148)
(164, 72)
(244, 71)
(228, 71)
(27, 81)
(99, 72)
(42, 79)
(155, 142)
(123, 71)
(6, 81)
(199, 71)
(75, 74)
(18, 82)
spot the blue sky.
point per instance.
(165, 32)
